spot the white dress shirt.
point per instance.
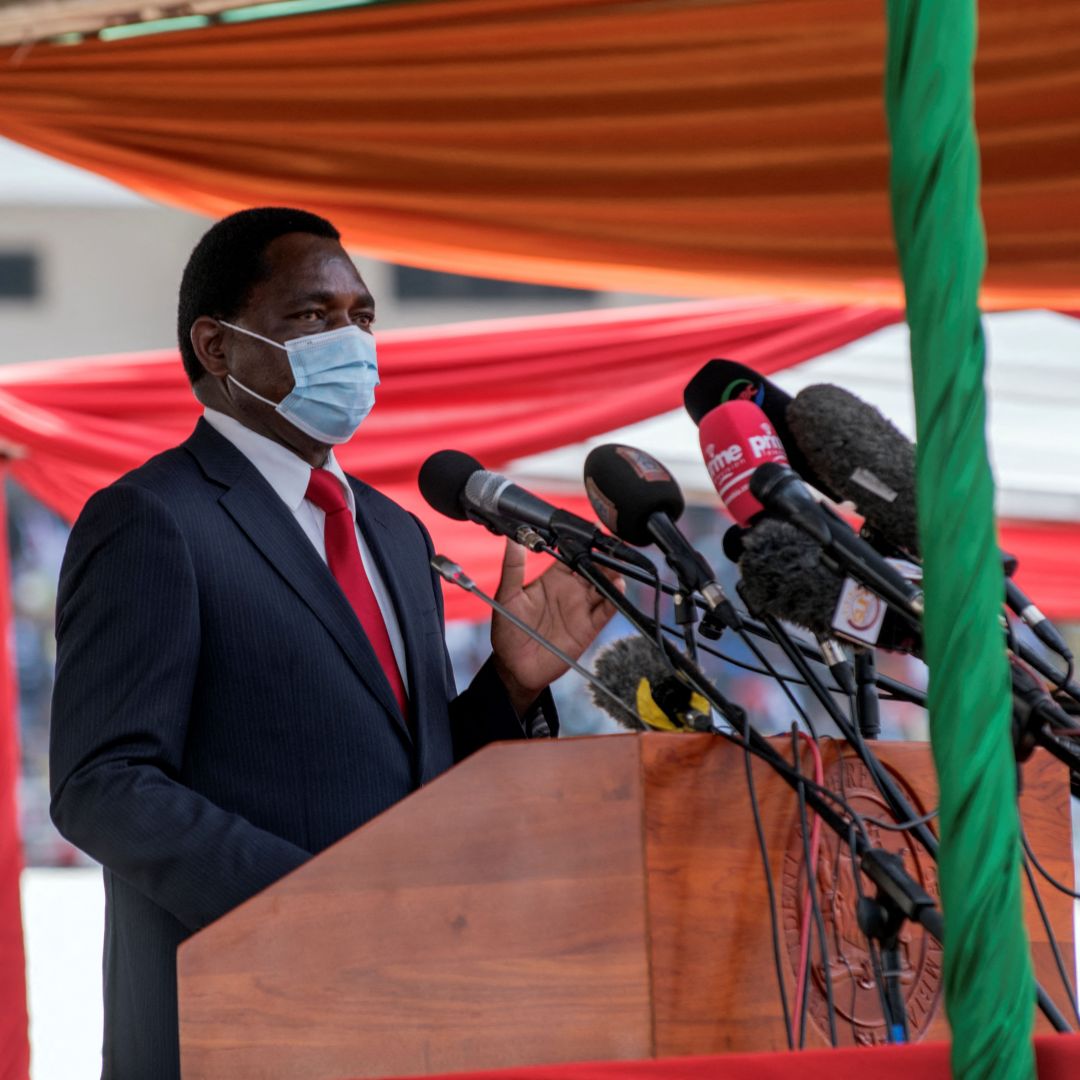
(288, 475)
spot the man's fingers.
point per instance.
(513, 572)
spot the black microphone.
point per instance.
(868, 461)
(1038, 720)
(779, 490)
(655, 698)
(458, 486)
(639, 501)
(1040, 625)
(785, 576)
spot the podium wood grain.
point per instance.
(587, 899)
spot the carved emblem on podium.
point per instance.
(856, 994)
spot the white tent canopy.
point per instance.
(1034, 391)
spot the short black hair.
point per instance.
(228, 262)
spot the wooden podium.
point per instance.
(599, 898)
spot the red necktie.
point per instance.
(343, 558)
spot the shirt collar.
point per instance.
(286, 472)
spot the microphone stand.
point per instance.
(866, 694)
(580, 558)
(897, 891)
(898, 895)
(896, 798)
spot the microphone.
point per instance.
(783, 493)
(786, 576)
(639, 501)
(864, 457)
(736, 439)
(746, 462)
(1040, 625)
(458, 486)
(722, 381)
(631, 671)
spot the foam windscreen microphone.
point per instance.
(721, 381)
(787, 575)
(633, 671)
(785, 495)
(871, 463)
(862, 456)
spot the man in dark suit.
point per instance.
(250, 654)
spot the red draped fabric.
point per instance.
(499, 390)
(14, 1048)
(1057, 1058)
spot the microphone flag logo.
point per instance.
(744, 390)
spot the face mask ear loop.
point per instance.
(229, 376)
(251, 333)
(258, 397)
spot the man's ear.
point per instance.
(208, 341)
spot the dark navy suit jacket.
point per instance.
(219, 715)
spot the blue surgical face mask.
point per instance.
(334, 378)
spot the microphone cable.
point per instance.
(897, 691)
(770, 885)
(1051, 938)
(811, 901)
(1060, 886)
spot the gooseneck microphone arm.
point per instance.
(453, 573)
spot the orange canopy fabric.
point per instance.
(689, 147)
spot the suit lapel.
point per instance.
(272, 529)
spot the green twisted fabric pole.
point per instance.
(989, 986)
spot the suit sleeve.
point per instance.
(483, 712)
(128, 647)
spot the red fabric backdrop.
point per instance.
(499, 390)
(14, 1047)
(1057, 1058)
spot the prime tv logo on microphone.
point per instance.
(736, 438)
(764, 447)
